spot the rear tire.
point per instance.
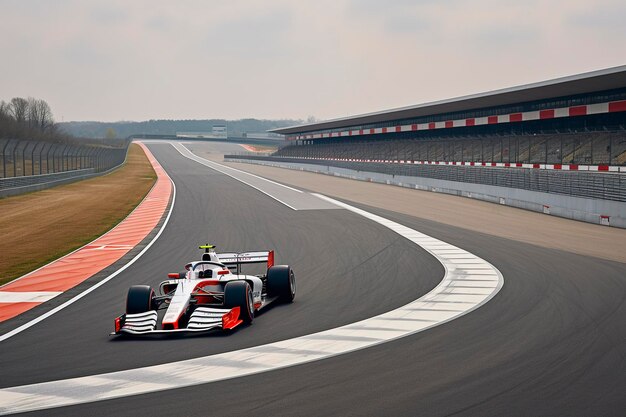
(139, 299)
(281, 283)
(239, 294)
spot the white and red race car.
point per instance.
(210, 294)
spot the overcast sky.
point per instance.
(138, 60)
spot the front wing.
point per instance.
(202, 319)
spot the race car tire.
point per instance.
(239, 294)
(281, 283)
(139, 299)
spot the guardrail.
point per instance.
(595, 185)
(33, 165)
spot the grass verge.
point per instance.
(40, 227)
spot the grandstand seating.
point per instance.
(584, 148)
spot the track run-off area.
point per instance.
(369, 281)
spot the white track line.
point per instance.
(468, 283)
(228, 171)
(27, 297)
(71, 301)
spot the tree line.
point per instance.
(32, 119)
(26, 118)
(171, 127)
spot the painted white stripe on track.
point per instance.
(437, 307)
(27, 296)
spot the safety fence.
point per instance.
(585, 184)
(24, 157)
(31, 165)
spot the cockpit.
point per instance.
(203, 269)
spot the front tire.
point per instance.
(139, 299)
(281, 283)
(239, 294)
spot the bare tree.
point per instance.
(39, 115)
(29, 119)
(19, 109)
(46, 120)
(6, 119)
(32, 113)
(5, 113)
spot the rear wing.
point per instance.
(233, 259)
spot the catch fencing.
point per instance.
(29, 165)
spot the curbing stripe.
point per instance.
(27, 297)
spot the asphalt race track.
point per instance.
(552, 342)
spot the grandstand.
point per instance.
(556, 147)
(576, 121)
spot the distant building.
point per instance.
(263, 135)
(219, 131)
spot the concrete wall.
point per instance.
(611, 213)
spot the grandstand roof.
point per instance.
(605, 79)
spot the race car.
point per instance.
(211, 294)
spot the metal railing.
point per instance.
(21, 158)
(35, 165)
(596, 185)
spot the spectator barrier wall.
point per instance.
(594, 197)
